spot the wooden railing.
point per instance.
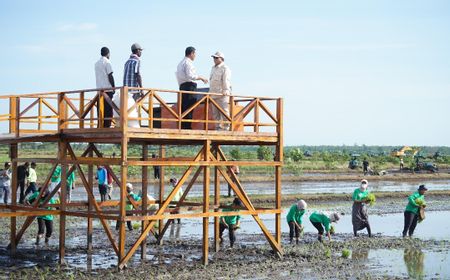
(154, 108)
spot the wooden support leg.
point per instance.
(216, 203)
(62, 217)
(144, 198)
(13, 155)
(162, 154)
(123, 198)
(278, 205)
(206, 180)
(90, 228)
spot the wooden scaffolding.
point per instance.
(155, 118)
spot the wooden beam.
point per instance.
(62, 154)
(216, 202)
(90, 228)
(144, 198)
(162, 154)
(206, 180)
(13, 152)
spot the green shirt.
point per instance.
(295, 214)
(359, 195)
(230, 220)
(317, 217)
(136, 197)
(51, 201)
(412, 205)
(56, 177)
(70, 179)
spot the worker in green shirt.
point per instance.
(129, 206)
(231, 223)
(322, 222)
(45, 223)
(416, 201)
(56, 178)
(360, 218)
(294, 219)
(70, 185)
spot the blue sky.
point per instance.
(365, 72)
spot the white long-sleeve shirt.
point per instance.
(186, 71)
(220, 79)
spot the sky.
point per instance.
(373, 72)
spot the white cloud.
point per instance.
(86, 26)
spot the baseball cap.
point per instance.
(422, 188)
(136, 46)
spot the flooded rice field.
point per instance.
(386, 255)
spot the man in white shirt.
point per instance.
(220, 80)
(104, 79)
(186, 76)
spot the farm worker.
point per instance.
(56, 178)
(102, 177)
(32, 178)
(232, 223)
(360, 218)
(294, 219)
(5, 182)
(173, 182)
(416, 202)
(22, 175)
(220, 83)
(186, 77)
(45, 223)
(70, 185)
(129, 206)
(236, 171)
(322, 222)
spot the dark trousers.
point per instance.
(187, 100)
(319, 227)
(156, 172)
(293, 229)
(231, 234)
(45, 226)
(410, 223)
(129, 225)
(31, 188)
(107, 110)
(22, 190)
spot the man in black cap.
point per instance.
(416, 203)
(132, 71)
(104, 79)
(186, 76)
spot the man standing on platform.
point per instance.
(220, 80)
(132, 70)
(104, 79)
(186, 77)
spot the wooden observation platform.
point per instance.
(156, 118)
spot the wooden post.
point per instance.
(40, 113)
(216, 203)
(90, 228)
(13, 114)
(17, 120)
(13, 155)
(62, 155)
(123, 170)
(279, 157)
(162, 154)
(206, 150)
(81, 123)
(144, 198)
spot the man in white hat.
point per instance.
(220, 82)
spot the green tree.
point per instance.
(296, 154)
(236, 154)
(264, 153)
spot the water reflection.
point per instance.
(414, 261)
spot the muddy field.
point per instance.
(386, 255)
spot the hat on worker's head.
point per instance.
(129, 186)
(173, 180)
(219, 54)
(364, 181)
(422, 188)
(301, 204)
(135, 47)
(334, 217)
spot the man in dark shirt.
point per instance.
(365, 166)
(22, 175)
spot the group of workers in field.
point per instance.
(321, 220)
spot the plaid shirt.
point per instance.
(132, 68)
